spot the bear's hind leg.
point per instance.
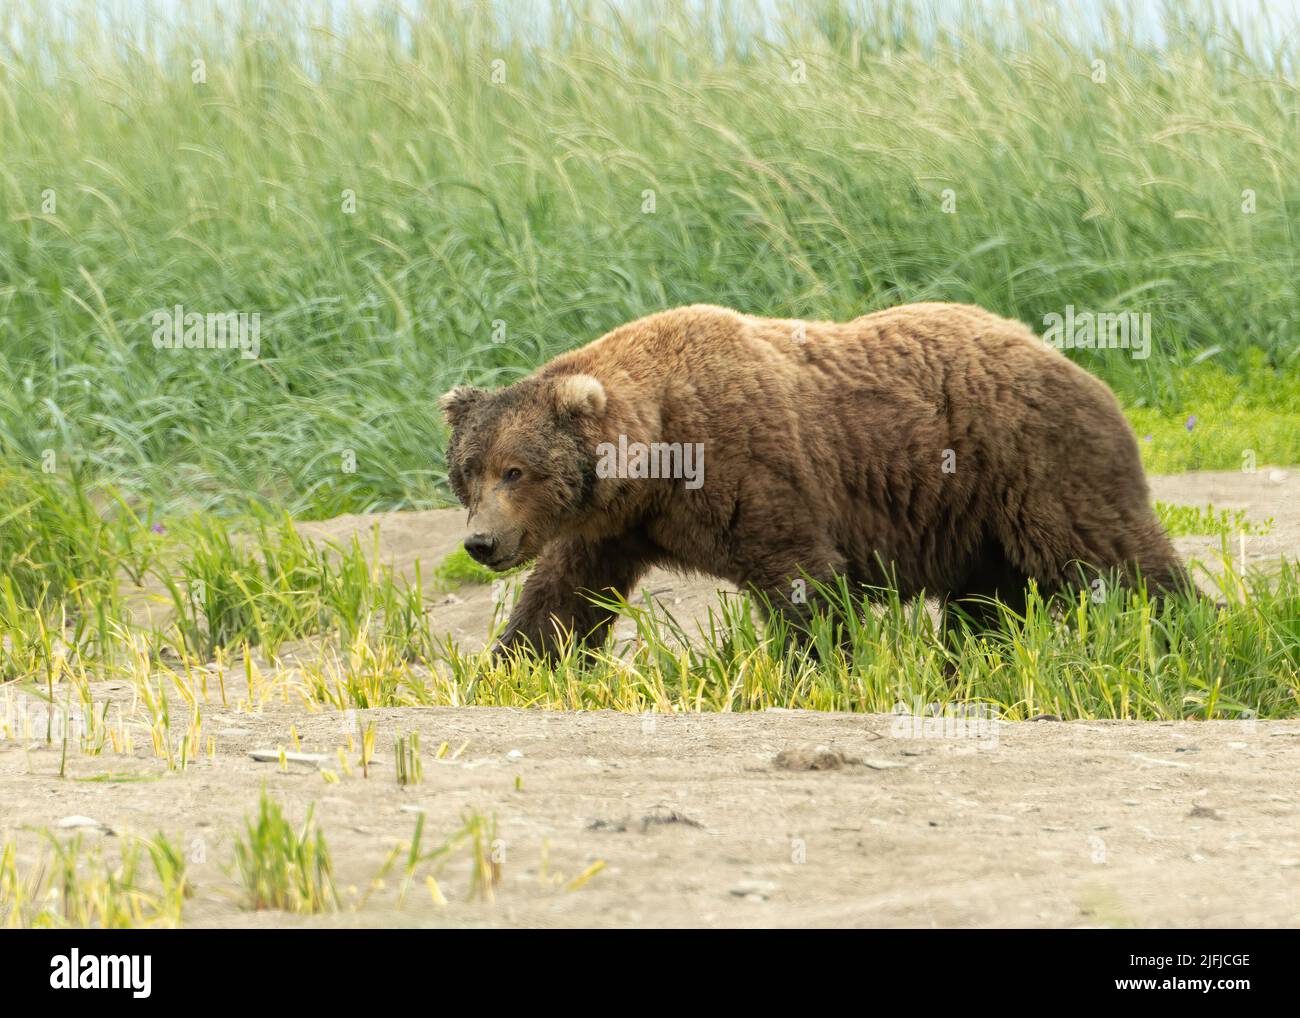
(1161, 569)
(973, 604)
(1090, 552)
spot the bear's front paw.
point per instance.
(514, 642)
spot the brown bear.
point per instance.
(932, 448)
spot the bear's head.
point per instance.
(522, 461)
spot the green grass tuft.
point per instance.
(281, 868)
(458, 568)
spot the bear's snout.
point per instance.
(481, 547)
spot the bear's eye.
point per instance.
(511, 475)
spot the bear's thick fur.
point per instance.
(937, 448)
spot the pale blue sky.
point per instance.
(1262, 22)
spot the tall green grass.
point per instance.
(499, 222)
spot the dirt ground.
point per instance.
(717, 820)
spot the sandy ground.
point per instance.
(706, 819)
(1038, 823)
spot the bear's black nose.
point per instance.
(480, 547)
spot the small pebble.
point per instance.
(80, 823)
(754, 890)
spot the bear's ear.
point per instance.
(579, 396)
(456, 403)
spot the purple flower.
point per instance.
(1191, 422)
(158, 528)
